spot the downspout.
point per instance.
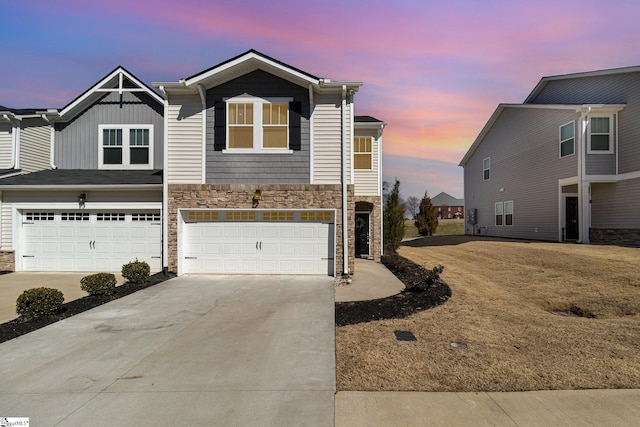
(203, 100)
(345, 240)
(582, 194)
(380, 191)
(165, 185)
(16, 148)
(52, 141)
(311, 134)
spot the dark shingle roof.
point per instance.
(82, 177)
(444, 199)
(366, 119)
(4, 172)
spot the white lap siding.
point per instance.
(184, 143)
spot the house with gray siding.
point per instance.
(85, 191)
(268, 171)
(562, 166)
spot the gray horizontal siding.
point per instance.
(76, 145)
(35, 145)
(6, 145)
(523, 145)
(229, 168)
(612, 89)
(615, 205)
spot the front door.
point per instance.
(362, 234)
(571, 212)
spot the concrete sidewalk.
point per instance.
(537, 408)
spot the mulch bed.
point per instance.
(19, 326)
(397, 306)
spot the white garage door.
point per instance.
(90, 240)
(263, 243)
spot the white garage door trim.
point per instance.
(88, 240)
(256, 242)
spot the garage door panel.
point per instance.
(63, 242)
(282, 247)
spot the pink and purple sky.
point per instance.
(433, 70)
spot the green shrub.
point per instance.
(98, 284)
(425, 281)
(136, 271)
(39, 301)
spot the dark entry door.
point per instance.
(362, 234)
(571, 209)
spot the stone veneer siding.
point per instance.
(375, 239)
(615, 236)
(7, 261)
(274, 196)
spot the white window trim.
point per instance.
(125, 147)
(504, 214)
(495, 214)
(561, 140)
(486, 169)
(611, 131)
(257, 124)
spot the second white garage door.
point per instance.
(258, 247)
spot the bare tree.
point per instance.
(413, 205)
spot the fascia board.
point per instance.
(124, 187)
(79, 101)
(199, 78)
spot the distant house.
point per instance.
(446, 206)
(562, 166)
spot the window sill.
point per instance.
(254, 151)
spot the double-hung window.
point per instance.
(486, 168)
(567, 139)
(508, 213)
(600, 134)
(125, 147)
(499, 213)
(257, 124)
(362, 146)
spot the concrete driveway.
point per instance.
(202, 350)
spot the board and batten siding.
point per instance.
(523, 145)
(35, 145)
(614, 205)
(76, 145)
(621, 88)
(366, 181)
(233, 168)
(6, 145)
(184, 140)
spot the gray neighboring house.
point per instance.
(85, 189)
(562, 166)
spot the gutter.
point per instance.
(165, 184)
(54, 187)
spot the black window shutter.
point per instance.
(295, 136)
(220, 126)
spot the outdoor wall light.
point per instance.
(256, 198)
(82, 197)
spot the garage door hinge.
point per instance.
(28, 256)
(27, 223)
(191, 257)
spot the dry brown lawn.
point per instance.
(507, 302)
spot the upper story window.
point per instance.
(125, 147)
(508, 213)
(567, 139)
(600, 135)
(256, 124)
(362, 154)
(486, 168)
